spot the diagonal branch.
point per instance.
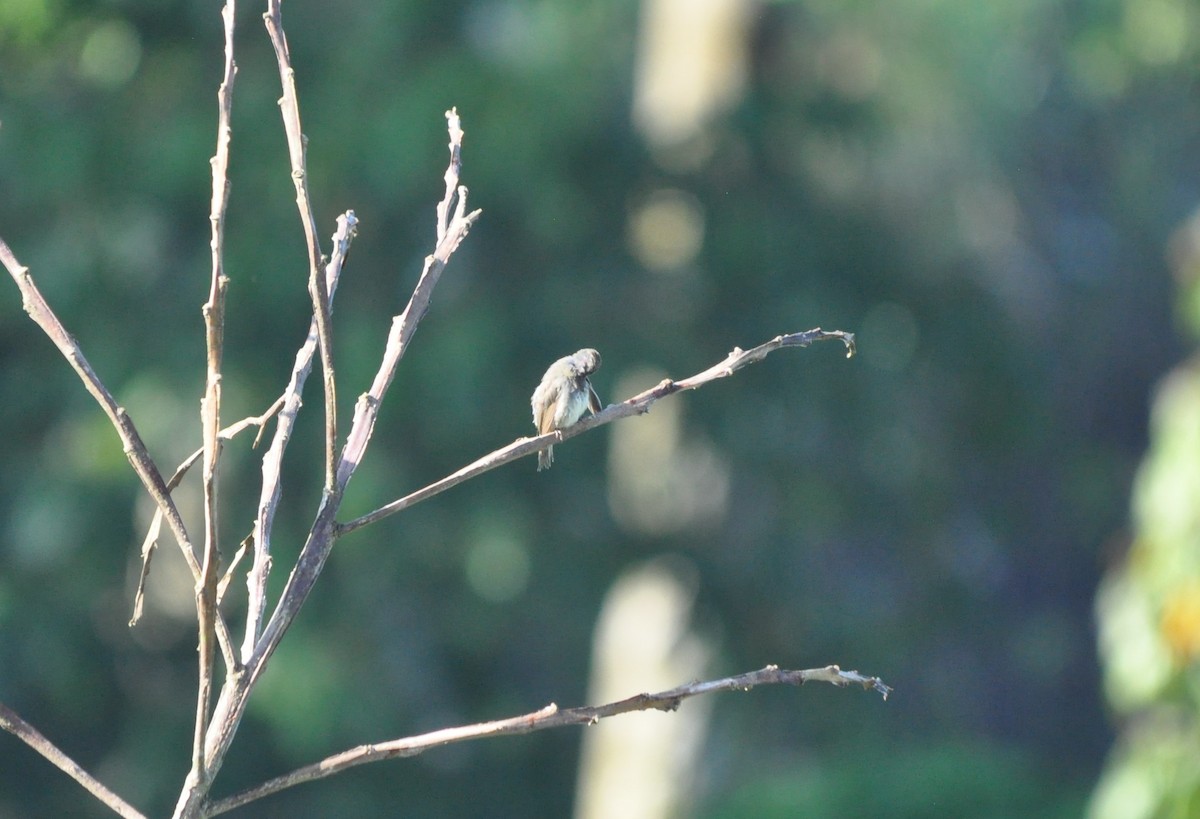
(451, 230)
(272, 462)
(150, 542)
(548, 717)
(22, 730)
(135, 449)
(289, 105)
(637, 405)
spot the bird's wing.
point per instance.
(593, 399)
(544, 418)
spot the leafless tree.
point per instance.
(219, 712)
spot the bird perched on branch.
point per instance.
(563, 395)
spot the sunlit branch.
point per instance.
(637, 405)
(549, 717)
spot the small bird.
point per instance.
(563, 395)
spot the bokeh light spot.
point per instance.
(497, 568)
(111, 54)
(666, 230)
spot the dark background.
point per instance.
(984, 193)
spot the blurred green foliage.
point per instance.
(1148, 605)
(984, 192)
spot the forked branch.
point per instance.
(453, 223)
(150, 542)
(452, 228)
(39, 310)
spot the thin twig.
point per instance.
(289, 106)
(637, 405)
(227, 575)
(549, 717)
(451, 230)
(150, 542)
(36, 306)
(210, 406)
(11, 722)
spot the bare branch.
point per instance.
(135, 449)
(272, 463)
(227, 575)
(232, 699)
(231, 703)
(289, 105)
(637, 405)
(210, 406)
(453, 173)
(150, 542)
(549, 717)
(451, 231)
(11, 722)
(320, 538)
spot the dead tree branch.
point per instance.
(549, 717)
(217, 723)
(210, 405)
(289, 106)
(272, 462)
(39, 310)
(150, 542)
(451, 230)
(637, 405)
(231, 703)
(22, 730)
